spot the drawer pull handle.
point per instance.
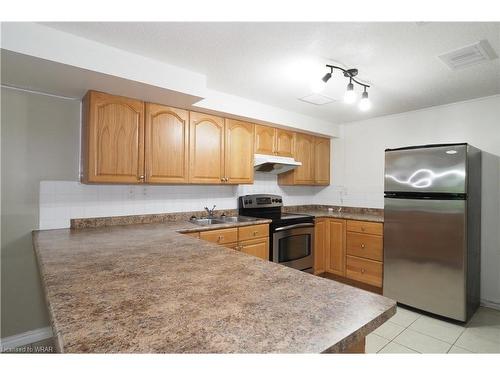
(221, 238)
(255, 232)
(362, 245)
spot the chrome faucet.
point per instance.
(210, 212)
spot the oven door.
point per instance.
(293, 246)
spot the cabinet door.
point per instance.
(239, 152)
(320, 245)
(284, 143)
(258, 247)
(166, 144)
(304, 152)
(322, 161)
(264, 140)
(113, 139)
(336, 249)
(206, 149)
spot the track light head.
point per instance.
(326, 77)
(365, 103)
(350, 95)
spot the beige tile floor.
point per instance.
(410, 332)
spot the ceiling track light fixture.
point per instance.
(350, 95)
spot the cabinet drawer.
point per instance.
(253, 231)
(365, 227)
(364, 270)
(221, 236)
(365, 245)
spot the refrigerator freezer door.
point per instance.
(424, 254)
(439, 169)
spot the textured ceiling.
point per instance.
(275, 63)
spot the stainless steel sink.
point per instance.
(222, 220)
(238, 219)
(206, 221)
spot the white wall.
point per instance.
(358, 164)
(62, 200)
(39, 137)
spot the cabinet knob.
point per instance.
(226, 179)
(362, 270)
(221, 238)
(255, 233)
(362, 245)
(141, 178)
(363, 229)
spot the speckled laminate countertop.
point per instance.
(345, 215)
(148, 289)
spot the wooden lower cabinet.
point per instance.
(233, 246)
(320, 244)
(252, 232)
(258, 247)
(335, 249)
(220, 236)
(251, 239)
(364, 270)
(349, 248)
(365, 246)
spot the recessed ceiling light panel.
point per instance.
(317, 99)
(469, 55)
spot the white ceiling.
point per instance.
(275, 63)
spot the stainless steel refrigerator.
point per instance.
(432, 228)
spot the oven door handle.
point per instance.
(303, 225)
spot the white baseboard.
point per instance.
(25, 338)
(490, 304)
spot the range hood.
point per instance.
(274, 164)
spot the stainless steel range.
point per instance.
(291, 236)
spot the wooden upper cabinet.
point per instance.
(284, 143)
(322, 161)
(304, 152)
(264, 140)
(113, 139)
(273, 141)
(239, 147)
(166, 144)
(336, 249)
(206, 148)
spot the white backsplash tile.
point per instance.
(62, 200)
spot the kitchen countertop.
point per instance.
(146, 288)
(344, 215)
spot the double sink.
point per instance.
(222, 220)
